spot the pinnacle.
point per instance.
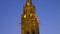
(28, 2)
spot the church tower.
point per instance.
(29, 20)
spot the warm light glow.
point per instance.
(30, 14)
(24, 16)
(28, 4)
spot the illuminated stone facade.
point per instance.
(29, 20)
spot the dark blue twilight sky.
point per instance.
(48, 12)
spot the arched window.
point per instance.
(27, 32)
(33, 32)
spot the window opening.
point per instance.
(27, 32)
(33, 32)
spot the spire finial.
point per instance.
(28, 2)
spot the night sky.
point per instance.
(48, 12)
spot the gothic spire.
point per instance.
(28, 2)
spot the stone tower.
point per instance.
(29, 20)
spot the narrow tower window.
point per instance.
(27, 32)
(33, 32)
